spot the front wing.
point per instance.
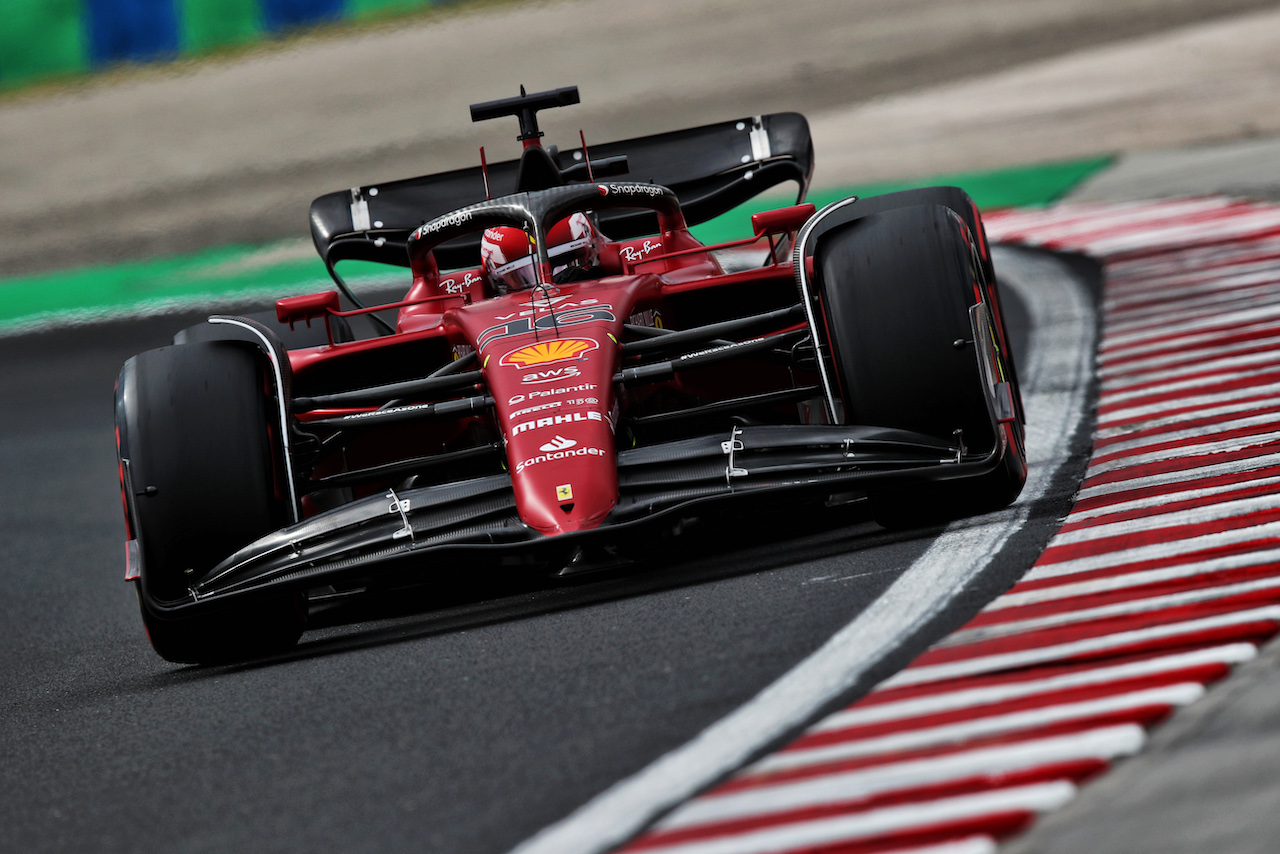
(396, 537)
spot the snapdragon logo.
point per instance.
(457, 218)
(631, 189)
(559, 443)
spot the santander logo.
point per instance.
(559, 443)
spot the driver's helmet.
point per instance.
(506, 253)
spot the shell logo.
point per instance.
(547, 352)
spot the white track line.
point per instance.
(1064, 221)
(1172, 421)
(1193, 295)
(1194, 234)
(1152, 318)
(1216, 512)
(1040, 655)
(1140, 275)
(1261, 465)
(1234, 227)
(1124, 608)
(1180, 384)
(1101, 744)
(1146, 368)
(968, 845)
(1155, 551)
(1121, 421)
(1187, 344)
(1138, 295)
(1226, 366)
(1199, 569)
(967, 698)
(1114, 343)
(1041, 797)
(1054, 379)
(1143, 231)
(1180, 694)
(1155, 502)
(1246, 419)
(1221, 446)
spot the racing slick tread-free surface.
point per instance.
(959, 201)
(896, 290)
(193, 421)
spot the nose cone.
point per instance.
(554, 407)
(549, 358)
(570, 481)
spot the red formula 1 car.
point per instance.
(586, 375)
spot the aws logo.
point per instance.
(546, 352)
(551, 375)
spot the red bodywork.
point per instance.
(565, 426)
(548, 358)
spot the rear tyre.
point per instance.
(196, 425)
(896, 289)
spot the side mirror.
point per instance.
(292, 309)
(782, 219)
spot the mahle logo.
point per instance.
(556, 420)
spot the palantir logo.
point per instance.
(559, 443)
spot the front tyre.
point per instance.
(896, 289)
(196, 426)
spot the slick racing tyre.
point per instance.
(896, 288)
(198, 424)
(959, 201)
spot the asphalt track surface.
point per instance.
(461, 721)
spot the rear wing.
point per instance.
(711, 169)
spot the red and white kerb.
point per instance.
(1165, 575)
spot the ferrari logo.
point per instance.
(546, 352)
(564, 493)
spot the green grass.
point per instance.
(225, 274)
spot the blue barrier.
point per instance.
(43, 38)
(131, 30)
(282, 14)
